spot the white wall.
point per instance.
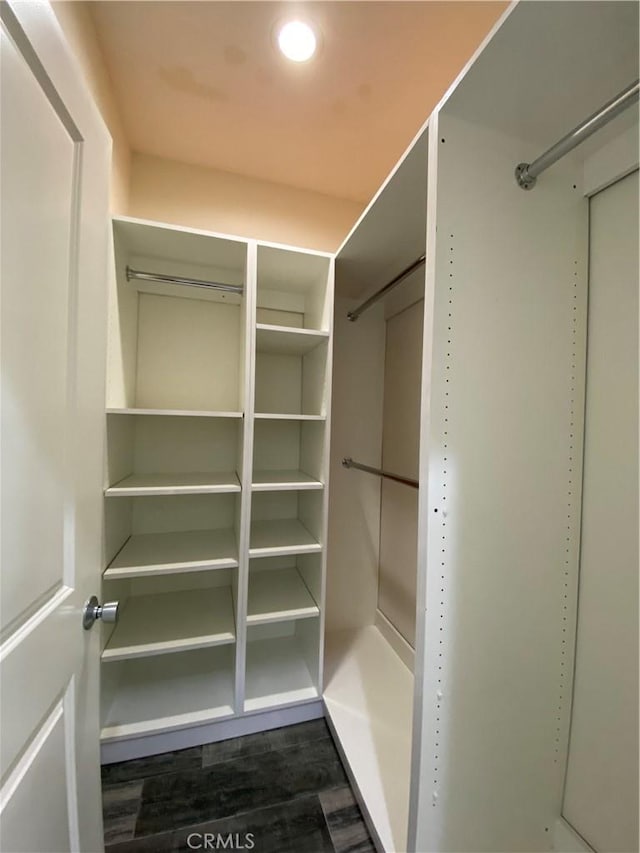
(213, 200)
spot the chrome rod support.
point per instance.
(348, 462)
(189, 282)
(353, 315)
(527, 173)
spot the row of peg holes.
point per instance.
(570, 502)
(445, 445)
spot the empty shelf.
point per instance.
(270, 416)
(160, 694)
(172, 622)
(170, 553)
(186, 413)
(175, 484)
(277, 674)
(281, 537)
(278, 595)
(271, 481)
(287, 340)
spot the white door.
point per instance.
(601, 796)
(55, 166)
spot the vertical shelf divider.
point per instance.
(246, 461)
(326, 408)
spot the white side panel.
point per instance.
(503, 463)
(601, 796)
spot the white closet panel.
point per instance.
(400, 451)
(601, 797)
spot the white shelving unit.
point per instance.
(279, 595)
(273, 481)
(285, 340)
(172, 622)
(164, 693)
(187, 413)
(280, 538)
(217, 458)
(136, 485)
(272, 416)
(148, 554)
(278, 673)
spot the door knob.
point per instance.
(92, 610)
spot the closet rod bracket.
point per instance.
(526, 173)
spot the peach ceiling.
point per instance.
(201, 82)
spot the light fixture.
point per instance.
(297, 41)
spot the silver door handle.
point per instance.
(92, 610)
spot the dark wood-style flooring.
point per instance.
(282, 791)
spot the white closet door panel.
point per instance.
(601, 797)
(400, 451)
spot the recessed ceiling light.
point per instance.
(297, 41)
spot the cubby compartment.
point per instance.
(284, 588)
(172, 456)
(293, 294)
(282, 666)
(172, 613)
(175, 346)
(286, 522)
(170, 534)
(158, 694)
(288, 455)
(292, 383)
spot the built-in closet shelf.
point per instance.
(274, 481)
(269, 416)
(175, 484)
(172, 622)
(146, 554)
(170, 692)
(286, 340)
(277, 596)
(170, 413)
(281, 537)
(277, 674)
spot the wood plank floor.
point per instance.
(282, 791)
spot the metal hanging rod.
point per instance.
(353, 315)
(348, 462)
(527, 173)
(189, 282)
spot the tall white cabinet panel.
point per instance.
(601, 796)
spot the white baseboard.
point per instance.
(567, 840)
(140, 747)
